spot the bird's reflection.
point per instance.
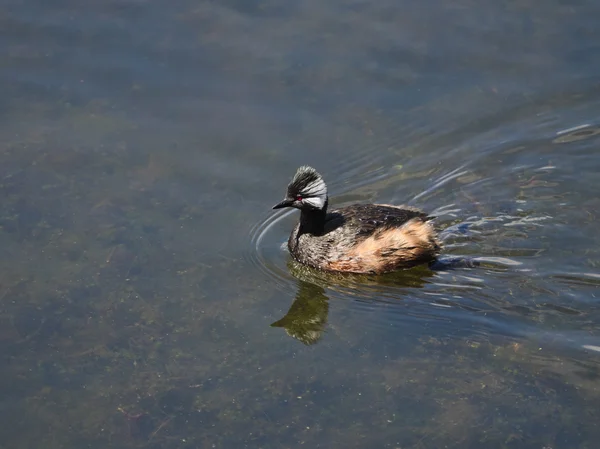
(307, 317)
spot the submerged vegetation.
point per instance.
(108, 339)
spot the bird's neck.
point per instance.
(313, 221)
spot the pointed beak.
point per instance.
(284, 203)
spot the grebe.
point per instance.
(362, 238)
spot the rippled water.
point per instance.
(146, 295)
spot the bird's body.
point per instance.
(361, 238)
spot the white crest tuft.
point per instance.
(315, 188)
(315, 193)
(317, 202)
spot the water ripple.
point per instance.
(498, 217)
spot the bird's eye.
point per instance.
(298, 198)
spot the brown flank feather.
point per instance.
(389, 249)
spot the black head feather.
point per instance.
(306, 191)
(307, 181)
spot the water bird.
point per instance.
(361, 238)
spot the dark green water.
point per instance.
(145, 300)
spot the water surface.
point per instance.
(145, 299)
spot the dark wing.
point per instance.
(369, 217)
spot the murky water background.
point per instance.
(145, 300)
